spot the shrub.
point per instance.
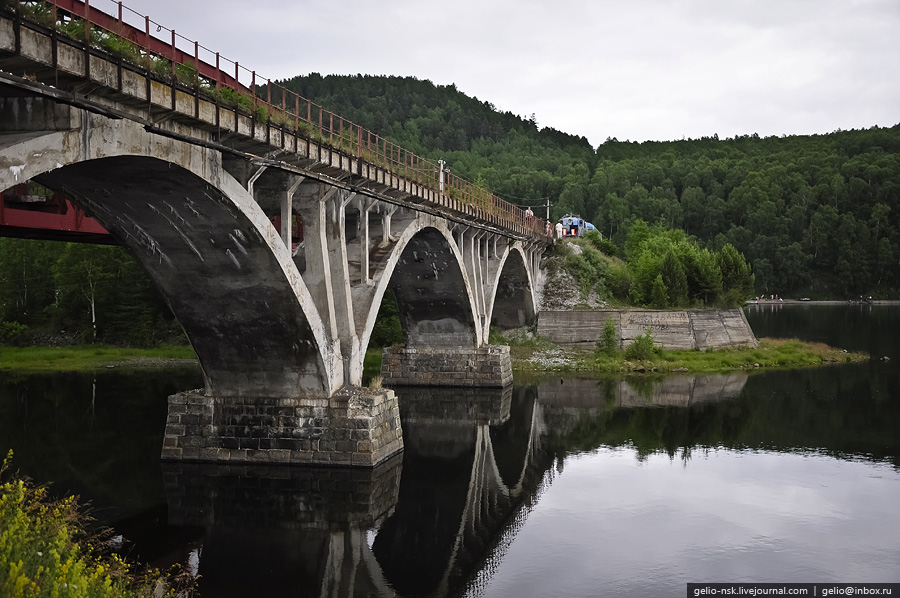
(610, 340)
(121, 47)
(13, 333)
(642, 347)
(162, 67)
(186, 73)
(38, 12)
(595, 238)
(43, 551)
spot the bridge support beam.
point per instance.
(487, 366)
(353, 427)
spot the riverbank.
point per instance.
(46, 551)
(538, 355)
(81, 358)
(529, 353)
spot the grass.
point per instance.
(84, 357)
(372, 365)
(771, 353)
(44, 551)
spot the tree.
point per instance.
(659, 298)
(85, 275)
(675, 280)
(737, 278)
(26, 280)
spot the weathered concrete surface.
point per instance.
(690, 329)
(487, 366)
(353, 427)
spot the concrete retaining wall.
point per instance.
(690, 329)
(488, 366)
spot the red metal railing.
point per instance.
(262, 98)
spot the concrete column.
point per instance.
(287, 211)
(336, 241)
(318, 274)
(365, 206)
(386, 224)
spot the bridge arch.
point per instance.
(426, 273)
(512, 300)
(208, 246)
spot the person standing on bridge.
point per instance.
(529, 215)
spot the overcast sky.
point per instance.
(629, 69)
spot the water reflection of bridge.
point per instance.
(439, 524)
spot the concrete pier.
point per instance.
(489, 366)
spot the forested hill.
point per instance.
(815, 215)
(419, 115)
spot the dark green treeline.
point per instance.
(815, 215)
(64, 292)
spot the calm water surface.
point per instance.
(616, 487)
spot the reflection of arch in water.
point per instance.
(458, 538)
(271, 528)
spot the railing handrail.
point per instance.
(302, 113)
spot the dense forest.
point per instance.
(52, 292)
(815, 215)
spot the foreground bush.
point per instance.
(44, 551)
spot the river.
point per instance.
(610, 487)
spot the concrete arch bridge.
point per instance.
(195, 189)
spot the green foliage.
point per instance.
(162, 67)
(230, 97)
(588, 268)
(600, 243)
(44, 551)
(186, 73)
(659, 295)
(38, 12)
(689, 274)
(388, 330)
(737, 280)
(83, 289)
(122, 47)
(609, 342)
(75, 28)
(642, 347)
(13, 333)
(675, 280)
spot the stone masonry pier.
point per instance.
(353, 427)
(489, 366)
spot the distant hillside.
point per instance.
(815, 215)
(419, 115)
